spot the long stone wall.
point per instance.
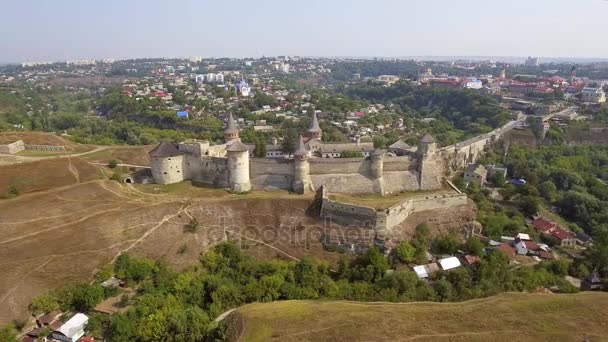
(405, 163)
(48, 148)
(19, 146)
(208, 170)
(320, 166)
(12, 148)
(271, 174)
(383, 219)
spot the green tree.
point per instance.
(528, 205)
(8, 333)
(112, 164)
(260, 149)
(351, 154)
(43, 304)
(548, 190)
(380, 142)
(446, 244)
(288, 146)
(474, 246)
(405, 252)
(13, 191)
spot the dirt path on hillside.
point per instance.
(10, 159)
(164, 220)
(73, 170)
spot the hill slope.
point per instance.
(46, 174)
(507, 317)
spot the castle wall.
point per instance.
(167, 170)
(271, 173)
(398, 181)
(320, 166)
(354, 183)
(45, 148)
(209, 170)
(12, 148)
(403, 163)
(368, 217)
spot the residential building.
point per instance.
(593, 95)
(476, 173)
(71, 330)
(389, 79)
(532, 62)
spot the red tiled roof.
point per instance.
(508, 250)
(86, 339)
(531, 245)
(561, 234)
(545, 255)
(542, 224)
(472, 259)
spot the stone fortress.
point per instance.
(380, 172)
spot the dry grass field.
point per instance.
(507, 317)
(69, 221)
(133, 155)
(65, 234)
(46, 174)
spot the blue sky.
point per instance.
(70, 29)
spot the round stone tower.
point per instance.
(301, 174)
(314, 131)
(231, 132)
(166, 164)
(377, 167)
(238, 167)
(427, 146)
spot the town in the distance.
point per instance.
(270, 198)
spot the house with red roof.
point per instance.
(546, 227)
(542, 225)
(508, 250)
(565, 237)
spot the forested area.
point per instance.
(456, 113)
(123, 120)
(180, 306)
(568, 180)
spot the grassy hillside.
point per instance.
(46, 174)
(508, 317)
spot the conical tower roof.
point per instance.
(301, 150)
(230, 126)
(165, 149)
(314, 124)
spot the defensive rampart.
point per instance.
(383, 219)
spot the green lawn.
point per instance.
(507, 317)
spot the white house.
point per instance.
(449, 263)
(71, 330)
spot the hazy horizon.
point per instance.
(38, 30)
